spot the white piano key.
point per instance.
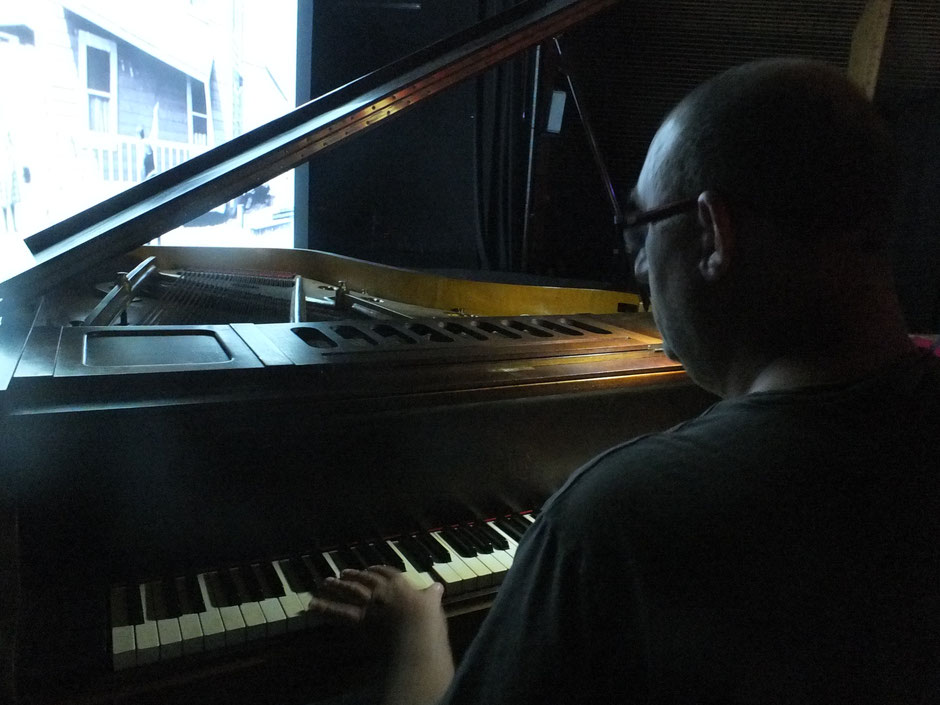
(496, 560)
(470, 579)
(168, 628)
(503, 557)
(273, 615)
(171, 641)
(482, 530)
(419, 579)
(509, 539)
(495, 566)
(190, 626)
(453, 583)
(337, 562)
(316, 567)
(210, 619)
(232, 619)
(529, 518)
(474, 563)
(329, 559)
(146, 634)
(294, 603)
(255, 623)
(123, 644)
(270, 604)
(191, 633)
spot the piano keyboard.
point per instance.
(166, 619)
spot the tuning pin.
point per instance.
(341, 297)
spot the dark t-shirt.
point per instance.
(784, 547)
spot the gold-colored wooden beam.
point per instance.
(868, 42)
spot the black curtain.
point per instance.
(437, 187)
(503, 97)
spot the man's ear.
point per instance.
(717, 243)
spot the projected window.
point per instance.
(97, 68)
(99, 95)
(198, 113)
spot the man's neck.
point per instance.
(835, 322)
(840, 362)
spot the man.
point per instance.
(784, 547)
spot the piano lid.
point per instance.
(176, 196)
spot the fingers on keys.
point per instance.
(348, 597)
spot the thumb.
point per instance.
(434, 592)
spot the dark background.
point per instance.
(444, 186)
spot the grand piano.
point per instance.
(190, 449)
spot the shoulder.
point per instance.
(648, 458)
(657, 475)
(748, 446)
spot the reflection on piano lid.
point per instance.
(178, 195)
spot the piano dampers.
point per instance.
(214, 298)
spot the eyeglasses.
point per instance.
(637, 218)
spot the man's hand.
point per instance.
(422, 665)
(380, 594)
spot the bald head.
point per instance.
(778, 273)
(790, 139)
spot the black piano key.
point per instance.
(214, 591)
(416, 554)
(509, 528)
(388, 554)
(320, 567)
(227, 592)
(426, 545)
(299, 575)
(123, 642)
(358, 561)
(344, 558)
(249, 594)
(154, 604)
(135, 606)
(121, 607)
(242, 593)
(479, 542)
(170, 597)
(361, 555)
(369, 554)
(438, 552)
(499, 541)
(517, 520)
(269, 580)
(253, 583)
(189, 595)
(457, 543)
